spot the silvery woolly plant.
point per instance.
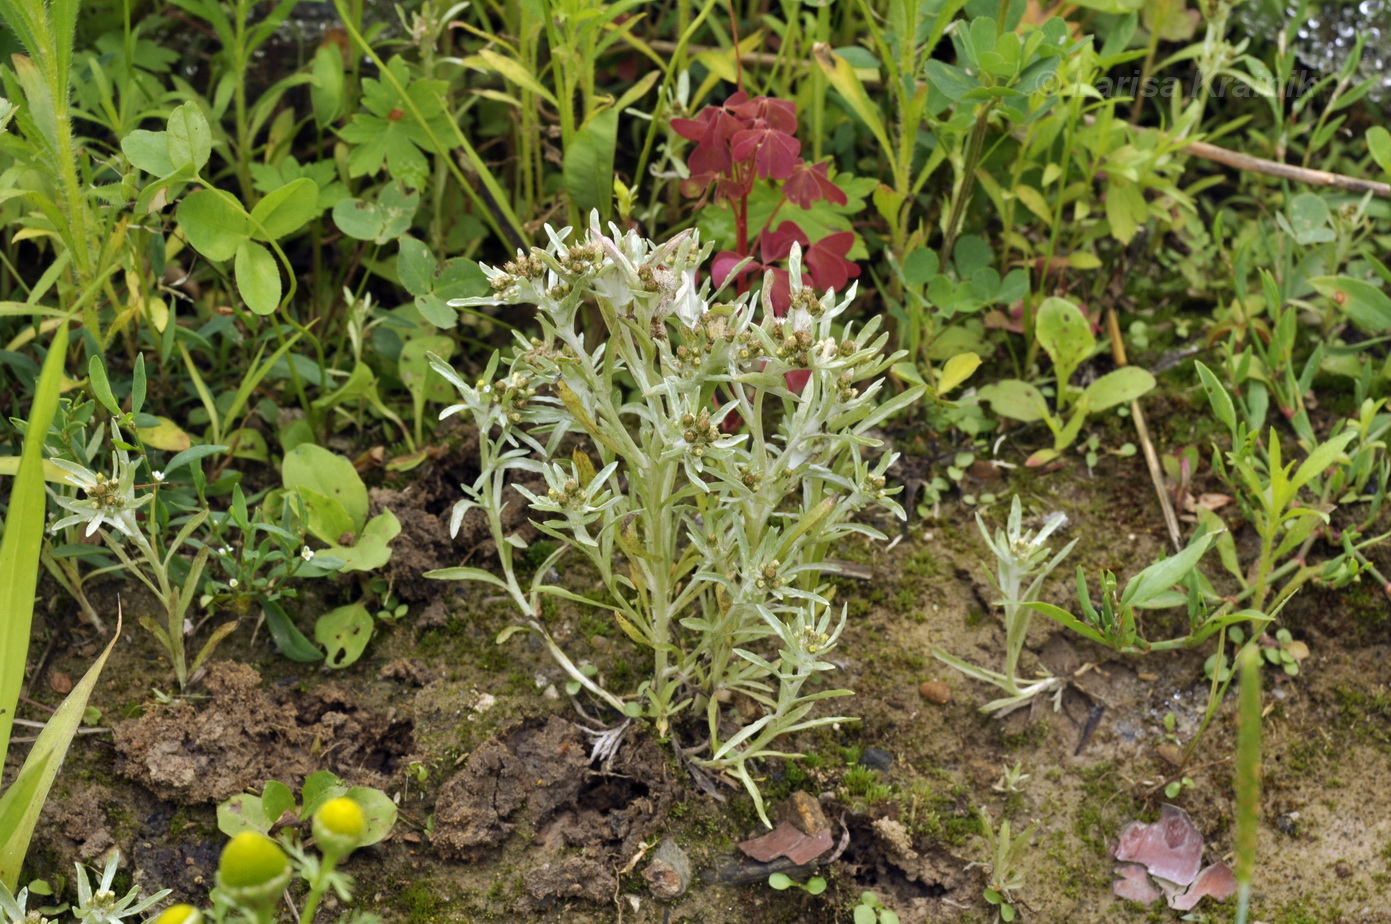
(1022, 563)
(731, 454)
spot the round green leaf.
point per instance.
(415, 266)
(214, 224)
(285, 210)
(258, 278)
(379, 810)
(313, 467)
(189, 139)
(344, 632)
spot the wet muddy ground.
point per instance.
(503, 817)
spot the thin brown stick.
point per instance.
(1142, 433)
(1286, 171)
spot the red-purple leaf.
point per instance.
(809, 184)
(826, 264)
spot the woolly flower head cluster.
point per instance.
(625, 271)
(110, 499)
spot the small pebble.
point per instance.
(1343, 869)
(935, 691)
(876, 759)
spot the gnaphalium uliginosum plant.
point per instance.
(1020, 557)
(710, 538)
(114, 500)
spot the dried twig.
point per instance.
(1286, 171)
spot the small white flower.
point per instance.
(306, 553)
(158, 477)
(233, 583)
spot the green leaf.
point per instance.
(1160, 576)
(148, 151)
(848, 84)
(213, 223)
(276, 800)
(328, 520)
(957, 370)
(381, 221)
(319, 787)
(289, 641)
(326, 85)
(192, 454)
(1126, 209)
(416, 266)
(189, 139)
(1367, 306)
(1016, 400)
(951, 82)
(321, 471)
(101, 387)
(514, 71)
(1309, 219)
(36, 776)
(588, 164)
(1324, 456)
(258, 278)
(1120, 386)
(1217, 396)
(344, 632)
(466, 574)
(370, 551)
(378, 811)
(22, 540)
(243, 812)
(1064, 332)
(285, 210)
(137, 384)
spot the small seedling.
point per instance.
(1176, 787)
(782, 882)
(1012, 779)
(871, 910)
(1283, 651)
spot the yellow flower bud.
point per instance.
(253, 869)
(180, 914)
(339, 826)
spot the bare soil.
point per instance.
(504, 818)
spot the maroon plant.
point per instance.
(748, 138)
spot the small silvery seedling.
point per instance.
(100, 905)
(1020, 557)
(730, 447)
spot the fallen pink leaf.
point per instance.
(1171, 848)
(786, 841)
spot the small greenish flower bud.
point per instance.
(253, 869)
(339, 826)
(687, 420)
(180, 914)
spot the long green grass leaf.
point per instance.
(36, 776)
(23, 537)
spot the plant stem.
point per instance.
(968, 182)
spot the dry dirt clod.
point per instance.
(802, 809)
(935, 691)
(669, 873)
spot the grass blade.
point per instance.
(1248, 775)
(23, 537)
